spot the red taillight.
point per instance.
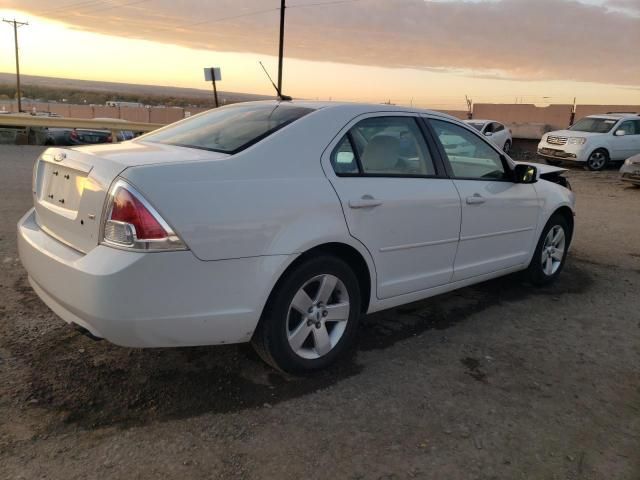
(132, 223)
(128, 209)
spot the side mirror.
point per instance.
(488, 134)
(620, 133)
(523, 173)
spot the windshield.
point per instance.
(477, 125)
(594, 125)
(229, 129)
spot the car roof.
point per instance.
(352, 107)
(478, 120)
(614, 116)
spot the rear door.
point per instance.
(499, 217)
(626, 145)
(396, 201)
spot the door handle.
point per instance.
(367, 201)
(476, 199)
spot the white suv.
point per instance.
(594, 140)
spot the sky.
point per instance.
(424, 52)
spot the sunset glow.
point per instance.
(70, 50)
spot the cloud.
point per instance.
(515, 39)
(631, 6)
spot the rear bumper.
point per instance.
(155, 299)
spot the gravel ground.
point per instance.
(496, 381)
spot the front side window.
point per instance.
(390, 146)
(229, 129)
(497, 127)
(469, 155)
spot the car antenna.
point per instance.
(284, 98)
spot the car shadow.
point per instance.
(94, 384)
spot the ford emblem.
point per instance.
(58, 157)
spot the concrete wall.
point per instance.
(459, 114)
(554, 116)
(525, 120)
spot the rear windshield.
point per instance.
(594, 125)
(229, 129)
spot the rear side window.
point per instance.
(630, 127)
(383, 146)
(229, 129)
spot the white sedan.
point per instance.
(499, 135)
(282, 224)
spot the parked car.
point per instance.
(496, 131)
(281, 224)
(77, 136)
(594, 140)
(83, 136)
(630, 170)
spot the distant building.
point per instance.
(115, 103)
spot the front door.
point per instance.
(499, 217)
(396, 202)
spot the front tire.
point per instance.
(551, 252)
(311, 317)
(507, 147)
(598, 160)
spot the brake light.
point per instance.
(131, 222)
(128, 209)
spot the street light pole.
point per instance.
(17, 24)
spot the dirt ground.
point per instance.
(496, 381)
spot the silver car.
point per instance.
(630, 171)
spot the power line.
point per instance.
(17, 24)
(85, 3)
(319, 4)
(232, 17)
(91, 4)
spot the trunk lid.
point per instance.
(70, 185)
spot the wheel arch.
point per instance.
(567, 214)
(600, 147)
(350, 255)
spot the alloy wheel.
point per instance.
(597, 160)
(318, 316)
(553, 250)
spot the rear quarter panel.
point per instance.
(271, 199)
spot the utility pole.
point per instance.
(17, 24)
(281, 49)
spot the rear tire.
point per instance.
(311, 317)
(551, 252)
(598, 160)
